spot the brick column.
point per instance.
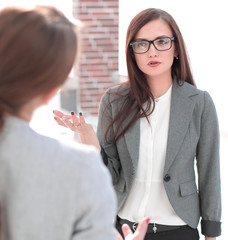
(98, 68)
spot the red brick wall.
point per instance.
(98, 68)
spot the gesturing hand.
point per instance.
(78, 124)
(139, 233)
(73, 122)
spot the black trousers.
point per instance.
(183, 233)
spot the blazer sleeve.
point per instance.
(208, 164)
(108, 150)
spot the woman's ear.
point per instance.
(49, 95)
(176, 54)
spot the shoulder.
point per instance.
(43, 152)
(191, 91)
(201, 98)
(77, 165)
(47, 159)
(186, 89)
(72, 155)
(116, 92)
(119, 87)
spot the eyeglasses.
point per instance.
(161, 44)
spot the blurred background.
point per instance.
(102, 60)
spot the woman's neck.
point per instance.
(27, 110)
(159, 86)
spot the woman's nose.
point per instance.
(152, 52)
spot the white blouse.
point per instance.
(148, 197)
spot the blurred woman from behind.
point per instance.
(47, 190)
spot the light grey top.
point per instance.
(50, 191)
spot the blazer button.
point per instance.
(167, 178)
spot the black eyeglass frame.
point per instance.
(152, 42)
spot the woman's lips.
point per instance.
(153, 63)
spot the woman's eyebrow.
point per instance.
(161, 36)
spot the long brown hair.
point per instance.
(37, 51)
(140, 93)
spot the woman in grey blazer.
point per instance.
(154, 130)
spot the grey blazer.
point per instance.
(52, 192)
(193, 135)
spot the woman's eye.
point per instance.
(141, 44)
(162, 42)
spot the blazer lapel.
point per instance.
(132, 137)
(180, 115)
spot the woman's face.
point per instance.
(155, 63)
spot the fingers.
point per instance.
(59, 121)
(81, 117)
(69, 124)
(142, 228)
(71, 121)
(126, 230)
(78, 121)
(75, 119)
(140, 232)
(60, 114)
(58, 117)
